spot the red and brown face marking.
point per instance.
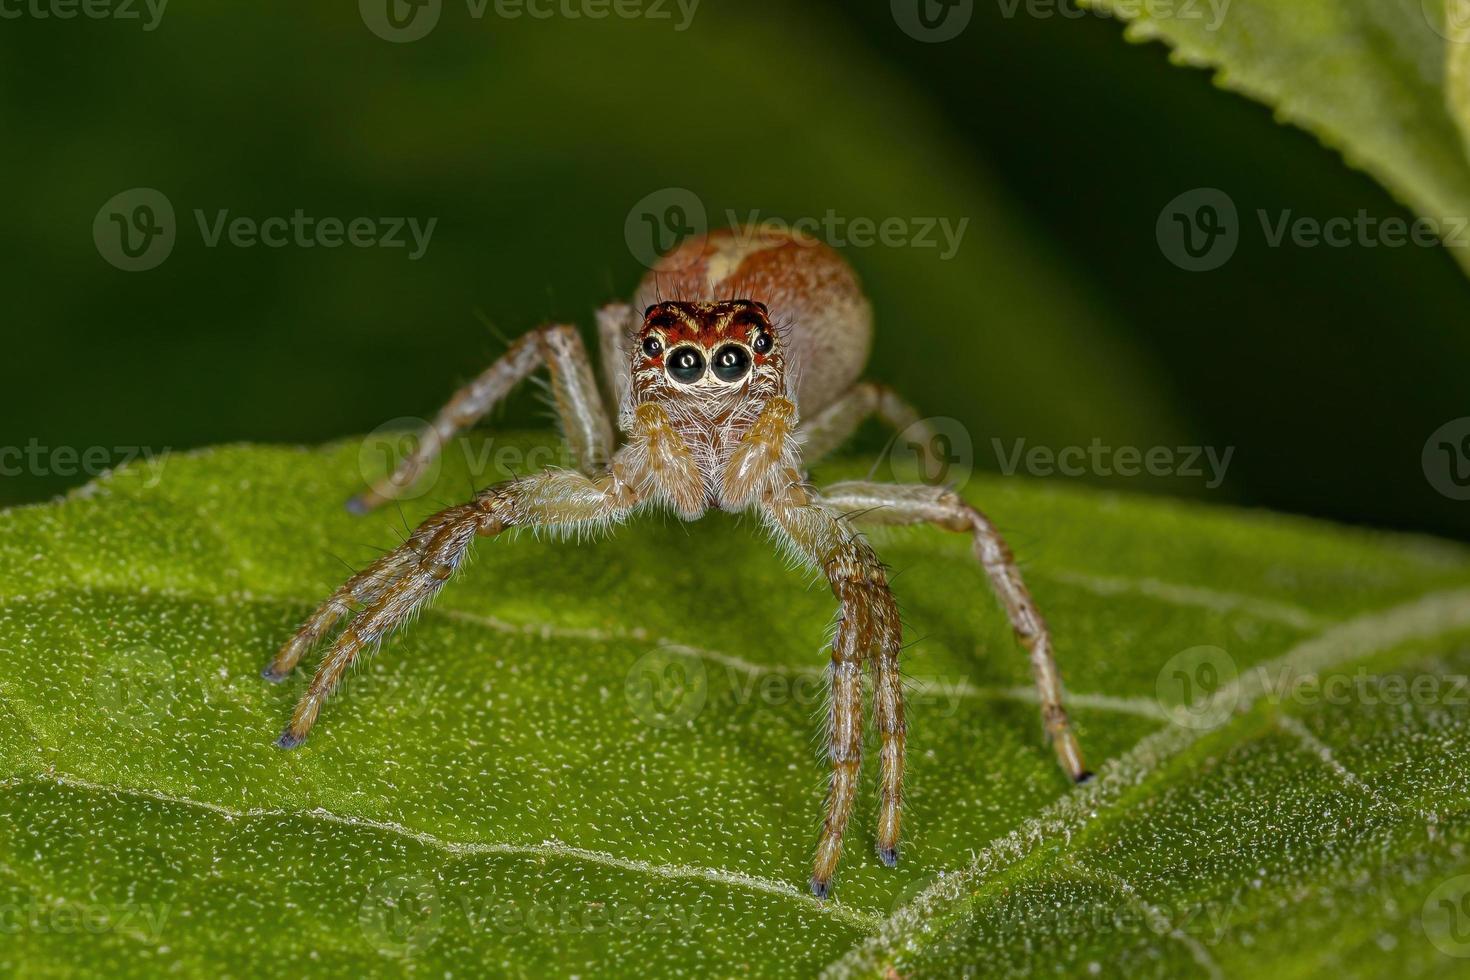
(707, 343)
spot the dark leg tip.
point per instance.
(270, 674)
(821, 889)
(357, 505)
(889, 856)
(1083, 777)
(289, 741)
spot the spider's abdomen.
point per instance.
(816, 304)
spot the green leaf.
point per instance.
(1456, 21)
(1382, 81)
(600, 757)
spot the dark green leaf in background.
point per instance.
(1372, 79)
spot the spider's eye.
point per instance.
(763, 343)
(731, 362)
(652, 347)
(686, 365)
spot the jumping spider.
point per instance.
(721, 401)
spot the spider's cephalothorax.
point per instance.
(710, 369)
(742, 368)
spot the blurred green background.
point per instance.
(1059, 321)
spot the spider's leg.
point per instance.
(888, 716)
(448, 535)
(867, 627)
(361, 590)
(414, 573)
(884, 503)
(833, 425)
(579, 407)
(616, 324)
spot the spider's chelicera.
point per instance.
(743, 367)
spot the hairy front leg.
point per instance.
(357, 593)
(401, 582)
(886, 503)
(579, 407)
(868, 628)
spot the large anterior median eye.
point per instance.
(686, 365)
(731, 362)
